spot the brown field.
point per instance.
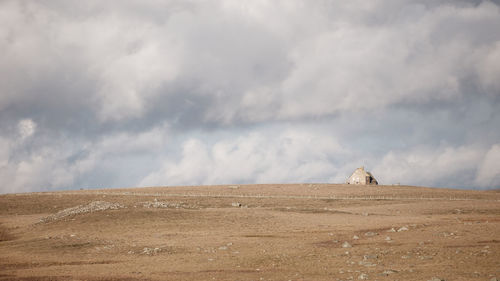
(280, 232)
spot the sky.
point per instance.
(103, 94)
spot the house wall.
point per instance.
(358, 177)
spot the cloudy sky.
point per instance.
(139, 93)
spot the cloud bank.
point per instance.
(125, 93)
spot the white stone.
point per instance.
(346, 245)
(363, 276)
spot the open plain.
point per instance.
(251, 232)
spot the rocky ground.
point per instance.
(251, 232)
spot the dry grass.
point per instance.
(281, 232)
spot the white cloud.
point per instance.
(64, 162)
(261, 157)
(304, 59)
(488, 174)
(489, 69)
(26, 128)
(42, 170)
(359, 66)
(443, 166)
(4, 153)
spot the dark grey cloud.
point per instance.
(124, 93)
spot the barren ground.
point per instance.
(280, 232)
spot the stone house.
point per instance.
(360, 176)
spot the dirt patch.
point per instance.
(65, 278)
(48, 264)
(37, 278)
(5, 234)
(262, 236)
(489, 241)
(312, 210)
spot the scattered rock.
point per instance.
(234, 186)
(391, 230)
(436, 279)
(404, 228)
(494, 279)
(346, 245)
(236, 204)
(355, 237)
(223, 248)
(160, 204)
(389, 272)
(366, 263)
(93, 206)
(370, 257)
(387, 238)
(371, 233)
(363, 276)
(151, 251)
